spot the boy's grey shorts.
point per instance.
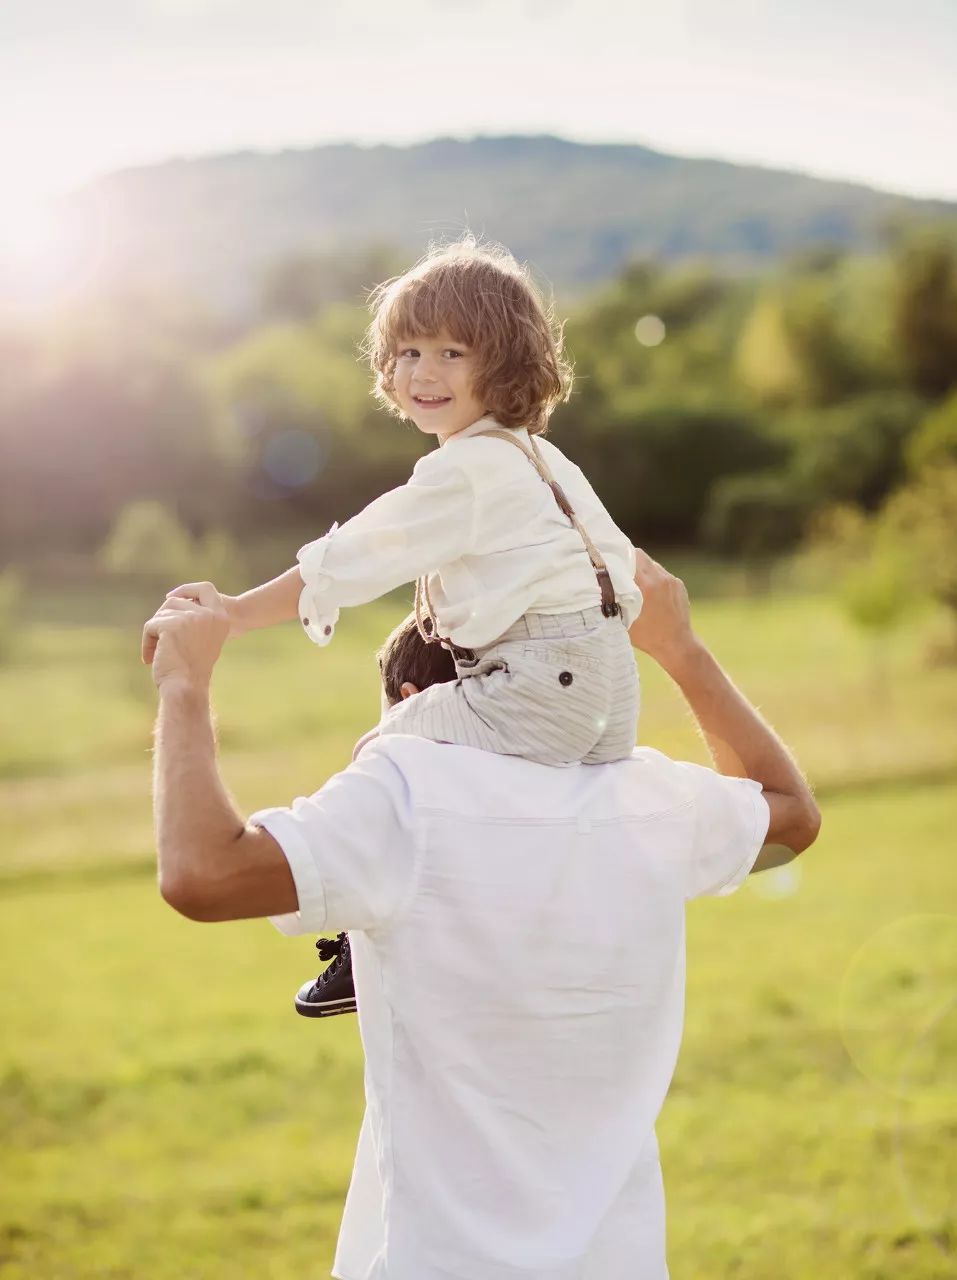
(556, 688)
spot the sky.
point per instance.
(858, 89)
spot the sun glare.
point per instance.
(28, 232)
(41, 260)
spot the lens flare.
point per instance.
(292, 459)
(650, 331)
(925, 1138)
(896, 985)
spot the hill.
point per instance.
(576, 211)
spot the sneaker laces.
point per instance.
(332, 949)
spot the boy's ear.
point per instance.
(407, 689)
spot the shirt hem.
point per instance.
(737, 878)
(310, 890)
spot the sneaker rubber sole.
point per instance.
(321, 1009)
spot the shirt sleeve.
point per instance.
(730, 819)
(405, 533)
(350, 847)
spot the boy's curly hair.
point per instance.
(486, 300)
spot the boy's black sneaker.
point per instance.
(332, 992)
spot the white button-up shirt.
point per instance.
(518, 943)
(475, 516)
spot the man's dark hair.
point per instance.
(406, 656)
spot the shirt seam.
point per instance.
(419, 835)
(485, 820)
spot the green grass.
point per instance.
(165, 1113)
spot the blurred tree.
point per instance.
(298, 418)
(766, 359)
(217, 558)
(297, 288)
(655, 459)
(867, 573)
(852, 452)
(881, 564)
(148, 541)
(922, 518)
(754, 515)
(935, 442)
(98, 414)
(925, 311)
(792, 350)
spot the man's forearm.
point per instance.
(741, 743)
(195, 819)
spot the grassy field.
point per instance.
(165, 1114)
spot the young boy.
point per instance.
(520, 571)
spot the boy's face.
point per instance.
(433, 385)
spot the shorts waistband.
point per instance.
(549, 626)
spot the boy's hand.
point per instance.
(663, 628)
(193, 590)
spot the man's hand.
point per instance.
(191, 591)
(663, 628)
(185, 637)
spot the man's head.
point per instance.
(407, 664)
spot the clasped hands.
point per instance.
(185, 636)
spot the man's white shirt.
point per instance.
(476, 516)
(518, 942)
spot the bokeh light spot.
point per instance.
(292, 459)
(650, 331)
(777, 882)
(895, 985)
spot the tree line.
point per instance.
(708, 410)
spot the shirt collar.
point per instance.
(488, 423)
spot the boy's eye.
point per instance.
(408, 353)
(450, 351)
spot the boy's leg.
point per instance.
(544, 695)
(624, 704)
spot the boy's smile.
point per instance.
(433, 385)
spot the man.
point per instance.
(518, 947)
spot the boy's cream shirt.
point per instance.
(478, 519)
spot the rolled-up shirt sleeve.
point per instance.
(402, 535)
(729, 822)
(350, 847)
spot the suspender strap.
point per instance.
(609, 605)
(425, 614)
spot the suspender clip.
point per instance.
(609, 605)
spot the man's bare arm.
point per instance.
(741, 743)
(212, 866)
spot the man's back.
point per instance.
(519, 962)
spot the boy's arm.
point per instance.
(741, 743)
(275, 601)
(402, 534)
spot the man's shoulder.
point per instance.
(483, 786)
